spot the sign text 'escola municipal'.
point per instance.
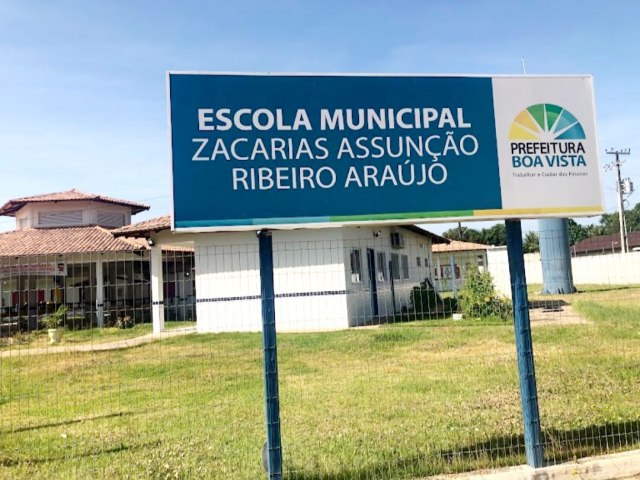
(288, 151)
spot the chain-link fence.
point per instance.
(396, 356)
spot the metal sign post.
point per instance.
(524, 345)
(270, 352)
(286, 151)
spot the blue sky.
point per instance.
(82, 83)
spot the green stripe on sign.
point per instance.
(401, 216)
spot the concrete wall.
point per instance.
(610, 269)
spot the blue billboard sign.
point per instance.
(286, 151)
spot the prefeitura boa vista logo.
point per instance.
(546, 136)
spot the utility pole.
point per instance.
(620, 188)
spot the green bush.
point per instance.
(424, 299)
(124, 322)
(55, 319)
(478, 297)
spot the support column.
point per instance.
(99, 294)
(454, 280)
(524, 345)
(555, 256)
(269, 348)
(157, 290)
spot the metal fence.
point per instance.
(97, 289)
(397, 359)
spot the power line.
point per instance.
(620, 186)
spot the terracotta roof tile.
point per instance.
(458, 246)
(425, 233)
(605, 243)
(49, 241)
(145, 227)
(13, 205)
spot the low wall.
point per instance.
(608, 269)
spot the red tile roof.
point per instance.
(54, 241)
(458, 246)
(605, 243)
(425, 233)
(12, 206)
(145, 227)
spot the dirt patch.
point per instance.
(555, 314)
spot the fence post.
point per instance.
(272, 399)
(524, 345)
(157, 290)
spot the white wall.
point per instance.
(308, 281)
(498, 265)
(30, 212)
(227, 277)
(312, 277)
(609, 269)
(359, 298)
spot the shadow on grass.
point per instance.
(65, 422)
(607, 288)
(66, 456)
(559, 446)
(551, 305)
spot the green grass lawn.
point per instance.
(39, 338)
(399, 401)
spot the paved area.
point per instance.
(618, 466)
(95, 347)
(563, 315)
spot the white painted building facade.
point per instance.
(324, 279)
(453, 260)
(72, 213)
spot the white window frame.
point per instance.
(355, 259)
(395, 266)
(381, 271)
(404, 266)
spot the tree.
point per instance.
(610, 222)
(531, 242)
(632, 217)
(464, 234)
(478, 297)
(496, 235)
(577, 232)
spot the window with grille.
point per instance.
(356, 266)
(405, 266)
(60, 219)
(110, 219)
(382, 267)
(395, 266)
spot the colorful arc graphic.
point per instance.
(546, 122)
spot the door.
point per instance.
(373, 281)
